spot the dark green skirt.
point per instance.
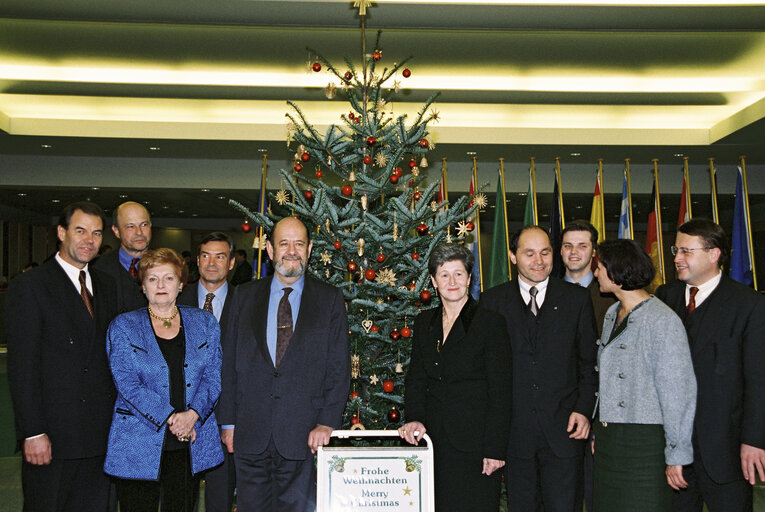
(629, 469)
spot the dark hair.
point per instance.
(241, 252)
(450, 252)
(218, 236)
(581, 225)
(156, 257)
(626, 263)
(712, 234)
(517, 235)
(85, 207)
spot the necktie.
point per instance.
(691, 300)
(87, 298)
(133, 270)
(208, 302)
(283, 325)
(533, 302)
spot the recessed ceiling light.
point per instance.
(45, 146)
(575, 154)
(55, 200)
(165, 207)
(95, 188)
(154, 148)
(678, 154)
(123, 196)
(221, 197)
(194, 214)
(181, 211)
(579, 207)
(22, 194)
(205, 190)
(263, 150)
(146, 202)
(471, 153)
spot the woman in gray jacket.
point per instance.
(647, 395)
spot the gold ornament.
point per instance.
(399, 368)
(326, 258)
(329, 160)
(480, 200)
(448, 238)
(424, 162)
(396, 85)
(327, 225)
(352, 176)
(386, 276)
(462, 229)
(282, 197)
(360, 245)
(326, 273)
(434, 206)
(395, 232)
(364, 200)
(367, 325)
(259, 242)
(380, 106)
(373, 379)
(415, 171)
(434, 115)
(358, 426)
(379, 302)
(300, 150)
(330, 90)
(381, 160)
(355, 366)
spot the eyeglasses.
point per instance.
(685, 251)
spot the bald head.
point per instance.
(289, 248)
(132, 226)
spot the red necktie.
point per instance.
(133, 271)
(283, 325)
(691, 300)
(87, 298)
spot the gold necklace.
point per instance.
(166, 322)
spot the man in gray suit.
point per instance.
(286, 376)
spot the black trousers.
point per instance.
(65, 485)
(178, 488)
(734, 496)
(267, 482)
(220, 484)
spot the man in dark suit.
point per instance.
(131, 224)
(579, 239)
(242, 270)
(725, 321)
(286, 376)
(552, 333)
(212, 293)
(56, 318)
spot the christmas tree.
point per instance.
(372, 232)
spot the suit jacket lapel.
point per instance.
(517, 310)
(307, 315)
(61, 286)
(707, 315)
(260, 316)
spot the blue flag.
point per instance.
(624, 217)
(740, 260)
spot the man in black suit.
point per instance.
(131, 224)
(553, 344)
(286, 376)
(56, 318)
(212, 293)
(725, 321)
(243, 270)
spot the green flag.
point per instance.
(528, 215)
(498, 266)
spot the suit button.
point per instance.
(82, 400)
(621, 404)
(71, 341)
(188, 385)
(597, 369)
(622, 346)
(533, 363)
(276, 374)
(622, 376)
(188, 406)
(436, 364)
(185, 365)
(84, 370)
(534, 387)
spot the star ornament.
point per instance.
(481, 200)
(282, 197)
(326, 258)
(330, 91)
(434, 206)
(386, 276)
(373, 379)
(434, 115)
(462, 229)
(381, 160)
(396, 86)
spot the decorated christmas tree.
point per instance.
(374, 228)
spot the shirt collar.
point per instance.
(220, 292)
(278, 286)
(69, 268)
(124, 258)
(540, 286)
(583, 282)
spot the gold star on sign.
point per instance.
(407, 491)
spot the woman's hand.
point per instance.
(412, 432)
(182, 424)
(675, 477)
(491, 465)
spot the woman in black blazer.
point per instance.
(458, 388)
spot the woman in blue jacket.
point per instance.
(166, 362)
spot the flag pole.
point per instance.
(533, 172)
(629, 195)
(713, 190)
(742, 159)
(443, 178)
(504, 205)
(686, 177)
(657, 206)
(262, 210)
(602, 197)
(477, 232)
(560, 193)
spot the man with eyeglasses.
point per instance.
(725, 321)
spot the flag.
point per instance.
(528, 214)
(624, 218)
(556, 227)
(475, 276)
(740, 256)
(596, 215)
(652, 246)
(498, 264)
(683, 215)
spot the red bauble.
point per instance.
(470, 226)
(375, 328)
(338, 244)
(305, 157)
(406, 332)
(246, 227)
(319, 174)
(352, 267)
(308, 194)
(394, 334)
(425, 295)
(412, 164)
(355, 394)
(410, 183)
(347, 190)
(370, 274)
(371, 140)
(316, 66)
(376, 55)
(415, 256)
(367, 159)
(393, 178)
(423, 143)
(407, 73)
(348, 75)
(417, 196)
(388, 386)
(298, 167)
(393, 415)
(354, 420)
(351, 116)
(398, 172)
(358, 120)
(380, 257)
(422, 229)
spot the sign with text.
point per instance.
(375, 479)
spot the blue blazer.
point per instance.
(143, 386)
